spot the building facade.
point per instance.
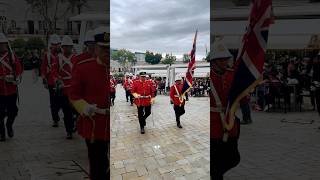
(18, 18)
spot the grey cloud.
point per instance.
(163, 26)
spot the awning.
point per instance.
(284, 34)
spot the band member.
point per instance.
(89, 48)
(225, 150)
(88, 94)
(128, 86)
(63, 83)
(143, 92)
(49, 62)
(10, 76)
(113, 86)
(177, 99)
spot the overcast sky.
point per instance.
(164, 26)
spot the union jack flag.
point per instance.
(251, 56)
(187, 84)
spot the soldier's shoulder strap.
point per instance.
(85, 61)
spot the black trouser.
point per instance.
(143, 113)
(64, 103)
(317, 97)
(246, 111)
(112, 97)
(9, 109)
(179, 110)
(224, 156)
(99, 159)
(54, 106)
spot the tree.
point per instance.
(149, 57)
(186, 58)
(157, 58)
(50, 11)
(153, 58)
(18, 45)
(124, 57)
(35, 43)
(169, 59)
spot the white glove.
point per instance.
(17, 81)
(90, 110)
(312, 88)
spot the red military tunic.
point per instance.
(7, 88)
(65, 71)
(88, 84)
(143, 89)
(127, 83)
(113, 84)
(81, 57)
(174, 96)
(48, 70)
(222, 84)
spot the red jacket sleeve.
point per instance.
(44, 65)
(153, 89)
(134, 87)
(18, 65)
(55, 69)
(172, 92)
(76, 88)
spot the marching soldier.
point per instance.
(143, 92)
(49, 62)
(89, 50)
(128, 86)
(89, 95)
(10, 76)
(223, 144)
(113, 86)
(63, 83)
(177, 99)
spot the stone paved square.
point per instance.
(165, 151)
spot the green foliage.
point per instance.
(186, 58)
(152, 58)
(118, 75)
(18, 45)
(169, 59)
(35, 43)
(124, 57)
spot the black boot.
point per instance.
(69, 135)
(2, 137)
(142, 130)
(178, 123)
(2, 131)
(10, 131)
(55, 124)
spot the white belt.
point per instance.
(144, 97)
(102, 111)
(66, 78)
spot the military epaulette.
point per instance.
(85, 61)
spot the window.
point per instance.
(69, 27)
